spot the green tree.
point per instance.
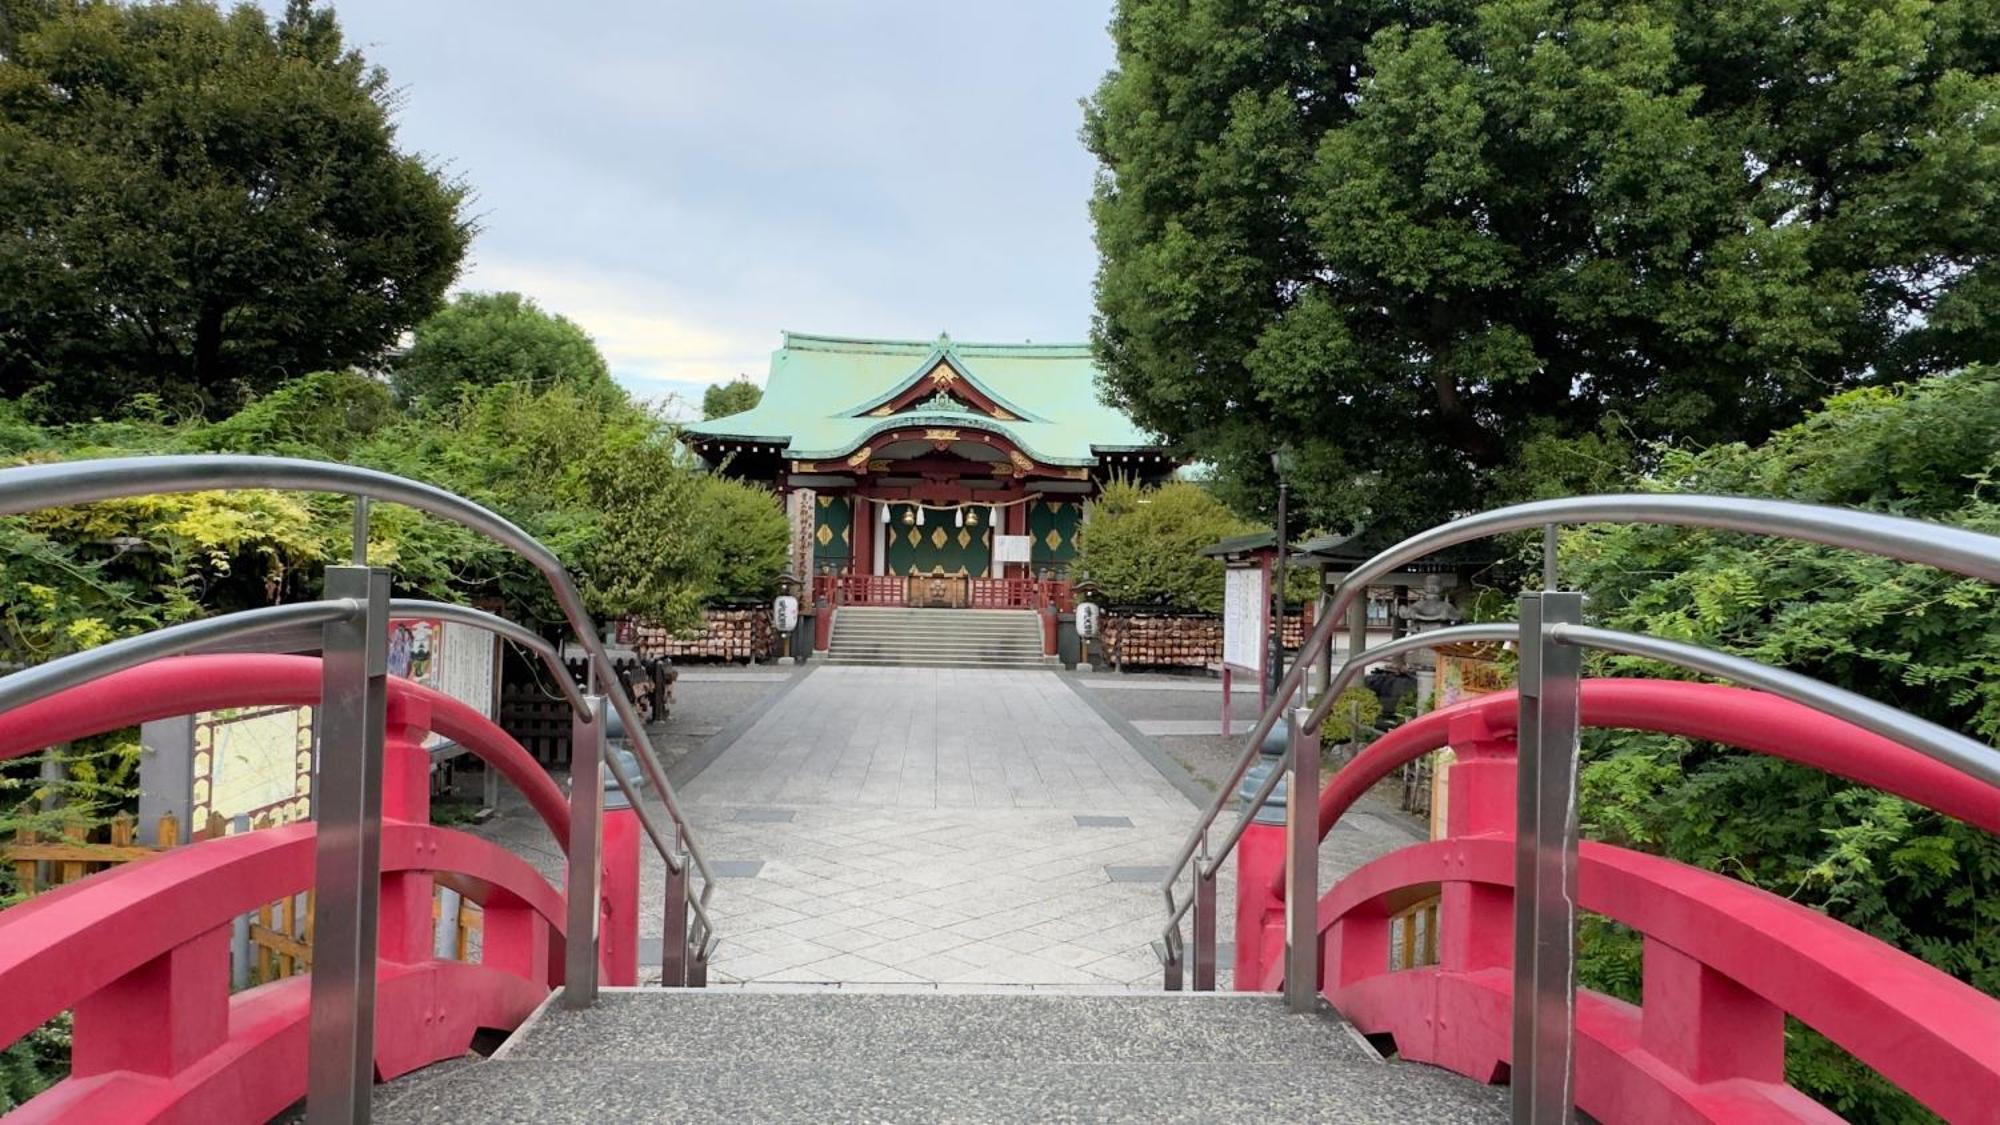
(747, 536)
(483, 339)
(324, 416)
(1910, 636)
(1141, 545)
(202, 205)
(1415, 239)
(721, 400)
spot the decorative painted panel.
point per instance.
(1052, 525)
(833, 531)
(939, 543)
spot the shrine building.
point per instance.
(904, 457)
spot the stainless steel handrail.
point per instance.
(66, 483)
(1952, 549)
(1495, 631)
(552, 659)
(78, 668)
(1947, 747)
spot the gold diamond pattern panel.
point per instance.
(1053, 525)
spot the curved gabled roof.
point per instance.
(823, 394)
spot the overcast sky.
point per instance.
(686, 178)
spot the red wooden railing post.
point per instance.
(515, 939)
(1260, 913)
(407, 932)
(1705, 1025)
(159, 1018)
(618, 935)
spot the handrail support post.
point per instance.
(347, 852)
(586, 840)
(674, 938)
(1302, 867)
(1204, 920)
(1545, 864)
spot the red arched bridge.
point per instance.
(1485, 987)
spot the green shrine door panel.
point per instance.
(939, 543)
(1053, 524)
(833, 532)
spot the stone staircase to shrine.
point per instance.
(949, 638)
(728, 1055)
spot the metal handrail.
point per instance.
(1496, 631)
(79, 668)
(552, 660)
(1947, 747)
(1952, 549)
(67, 483)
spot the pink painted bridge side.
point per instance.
(140, 953)
(1724, 962)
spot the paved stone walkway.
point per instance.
(936, 826)
(926, 827)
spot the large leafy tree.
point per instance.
(484, 339)
(202, 205)
(1416, 240)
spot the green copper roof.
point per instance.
(822, 388)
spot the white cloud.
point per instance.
(652, 349)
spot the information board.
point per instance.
(446, 656)
(1013, 548)
(1245, 618)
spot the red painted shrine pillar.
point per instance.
(861, 525)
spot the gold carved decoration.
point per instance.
(879, 466)
(881, 412)
(940, 435)
(1077, 473)
(1003, 416)
(860, 457)
(943, 375)
(1021, 462)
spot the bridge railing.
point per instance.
(1542, 995)
(352, 699)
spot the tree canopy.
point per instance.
(721, 400)
(203, 205)
(1416, 241)
(485, 339)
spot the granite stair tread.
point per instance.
(847, 1055)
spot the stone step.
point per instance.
(1030, 636)
(731, 1055)
(949, 638)
(923, 661)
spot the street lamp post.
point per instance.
(1281, 464)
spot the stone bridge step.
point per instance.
(735, 1055)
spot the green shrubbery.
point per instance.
(1920, 639)
(1140, 545)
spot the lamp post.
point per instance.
(1281, 464)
